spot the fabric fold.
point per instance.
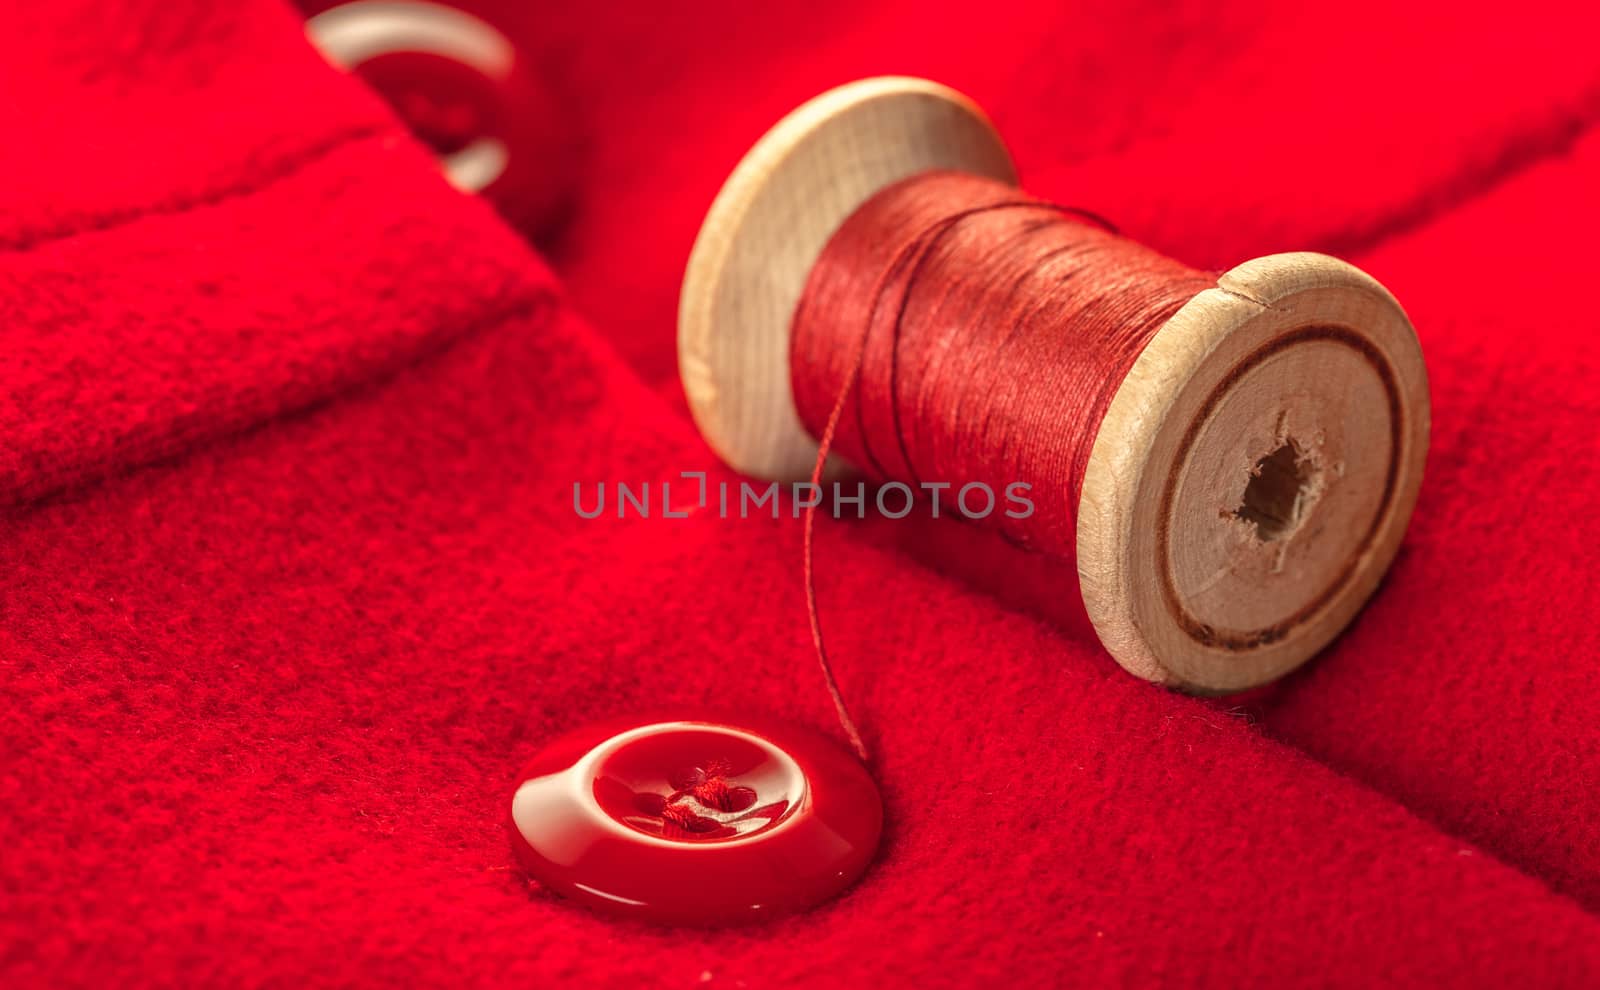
(264, 701)
(212, 295)
(1455, 156)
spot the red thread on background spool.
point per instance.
(982, 335)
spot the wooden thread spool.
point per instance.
(1253, 476)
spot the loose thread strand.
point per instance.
(1006, 337)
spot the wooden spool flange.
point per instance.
(1253, 476)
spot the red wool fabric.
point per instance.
(292, 584)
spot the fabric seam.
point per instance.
(281, 170)
(172, 447)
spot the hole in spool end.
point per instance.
(1282, 487)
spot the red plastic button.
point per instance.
(696, 822)
(462, 89)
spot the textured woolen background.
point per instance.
(290, 584)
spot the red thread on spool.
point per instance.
(1254, 461)
(982, 334)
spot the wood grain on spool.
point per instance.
(1292, 351)
(765, 230)
(1253, 476)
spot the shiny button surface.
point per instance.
(696, 821)
(464, 90)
